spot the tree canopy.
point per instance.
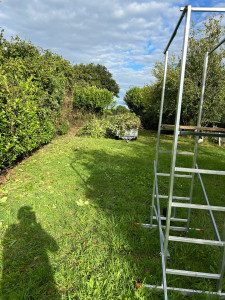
(145, 101)
(95, 75)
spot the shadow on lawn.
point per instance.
(27, 273)
(120, 185)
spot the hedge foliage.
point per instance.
(33, 85)
(110, 126)
(92, 98)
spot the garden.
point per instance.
(68, 214)
(72, 191)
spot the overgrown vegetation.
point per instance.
(145, 101)
(33, 85)
(67, 221)
(92, 99)
(110, 126)
(95, 75)
(36, 91)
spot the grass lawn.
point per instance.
(67, 218)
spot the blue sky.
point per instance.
(126, 36)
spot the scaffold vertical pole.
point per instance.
(197, 137)
(159, 131)
(177, 123)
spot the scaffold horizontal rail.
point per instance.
(174, 197)
(199, 171)
(198, 206)
(172, 219)
(173, 228)
(198, 133)
(179, 152)
(192, 274)
(196, 241)
(205, 9)
(176, 175)
(184, 127)
(185, 291)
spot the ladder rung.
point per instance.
(196, 241)
(185, 291)
(174, 197)
(174, 228)
(173, 219)
(198, 206)
(214, 134)
(171, 127)
(200, 171)
(193, 274)
(165, 152)
(176, 175)
(179, 152)
(186, 153)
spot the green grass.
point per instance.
(68, 213)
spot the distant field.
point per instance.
(67, 218)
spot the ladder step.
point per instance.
(185, 291)
(200, 171)
(213, 134)
(172, 219)
(214, 129)
(174, 197)
(198, 206)
(196, 241)
(173, 228)
(192, 274)
(179, 152)
(176, 175)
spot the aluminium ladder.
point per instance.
(180, 202)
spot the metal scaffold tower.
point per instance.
(176, 203)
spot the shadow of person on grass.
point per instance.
(27, 273)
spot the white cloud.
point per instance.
(126, 36)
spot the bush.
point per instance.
(91, 98)
(120, 123)
(97, 128)
(33, 85)
(36, 88)
(110, 127)
(63, 128)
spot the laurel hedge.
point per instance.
(33, 84)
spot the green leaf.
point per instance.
(3, 199)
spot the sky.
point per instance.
(126, 36)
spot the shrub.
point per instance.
(63, 127)
(120, 123)
(97, 128)
(110, 127)
(91, 98)
(36, 88)
(33, 85)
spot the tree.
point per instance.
(95, 75)
(200, 42)
(146, 101)
(121, 109)
(134, 100)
